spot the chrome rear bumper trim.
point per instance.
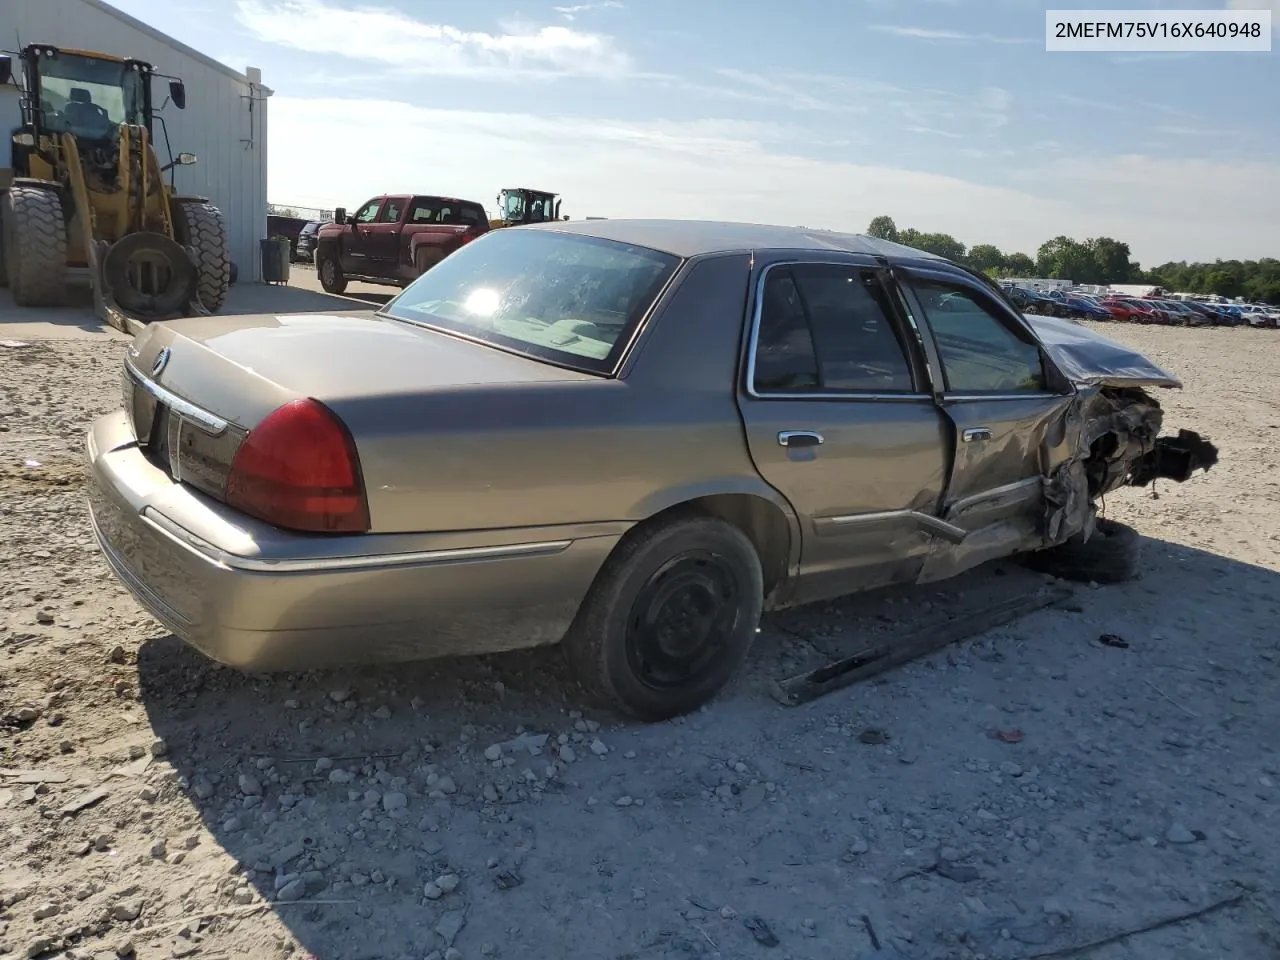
(205, 420)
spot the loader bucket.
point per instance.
(148, 276)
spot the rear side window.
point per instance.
(980, 354)
(423, 212)
(426, 210)
(828, 328)
(391, 212)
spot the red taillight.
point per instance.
(299, 469)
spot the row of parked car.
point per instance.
(1114, 307)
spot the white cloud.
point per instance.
(571, 12)
(936, 133)
(993, 105)
(924, 33)
(735, 170)
(1108, 106)
(776, 90)
(386, 36)
(1172, 209)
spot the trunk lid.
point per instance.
(195, 387)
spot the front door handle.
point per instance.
(974, 434)
(799, 438)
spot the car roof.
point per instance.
(695, 238)
(425, 196)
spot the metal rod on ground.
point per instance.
(904, 648)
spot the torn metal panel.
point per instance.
(1116, 443)
(1088, 358)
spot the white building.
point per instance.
(1134, 289)
(1039, 284)
(224, 123)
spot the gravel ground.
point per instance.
(1015, 796)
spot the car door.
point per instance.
(383, 238)
(1008, 409)
(354, 254)
(840, 419)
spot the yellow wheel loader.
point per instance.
(86, 191)
(519, 205)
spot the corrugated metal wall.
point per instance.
(224, 124)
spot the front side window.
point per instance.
(980, 354)
(827, 328)
(368, 212)
(90, 97)
(565, 298)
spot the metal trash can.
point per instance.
(275, 260)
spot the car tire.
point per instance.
(330, 273)
(1113, 554)
(669, 619)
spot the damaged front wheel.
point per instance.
(1112, 554)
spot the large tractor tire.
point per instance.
(199, 226)
(35, 246)
(4, 273)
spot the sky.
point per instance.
(947, 115)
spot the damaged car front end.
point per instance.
(1116, 422)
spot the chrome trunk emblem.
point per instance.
(162, 358)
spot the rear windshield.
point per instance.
(561, 297)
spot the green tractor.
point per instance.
(520, 205)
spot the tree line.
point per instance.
(1101, 260)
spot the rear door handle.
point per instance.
(799, 438)
(974, 434)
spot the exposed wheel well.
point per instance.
(763, 522)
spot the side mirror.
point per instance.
(178, 94)
(187, 159)
(6, 69)
(340, 215)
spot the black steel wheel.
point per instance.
(670, 617)
(683, 617)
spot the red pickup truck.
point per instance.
(393, 240)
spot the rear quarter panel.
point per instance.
(576, 451)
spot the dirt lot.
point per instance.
(151, 802)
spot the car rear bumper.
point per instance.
(251, 596)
